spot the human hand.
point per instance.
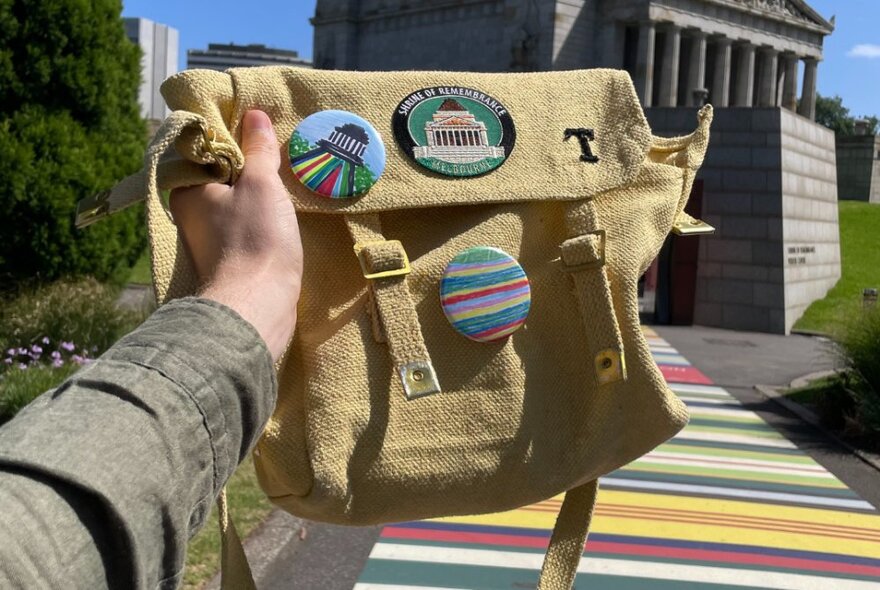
(244, 239)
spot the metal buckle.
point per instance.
(600, 262)
(396, 272)
(694, 227)
(91, 209)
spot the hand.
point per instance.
(244, 239)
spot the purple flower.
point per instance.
(45, 340)
(11, 352)
(57, 363)
(77, 359)
(22, 351)
(37, 349)
(8, 361)
(22, 366)
(55, 355)
(68, 346)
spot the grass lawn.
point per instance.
(248, 507)
(860, 256)
(140, 272)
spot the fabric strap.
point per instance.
(235, 572)
(583, 256)
(569, 535)
(385, 265)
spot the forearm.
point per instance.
(151, 432)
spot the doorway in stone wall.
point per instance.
(667, 289)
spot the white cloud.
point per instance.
(865, 50)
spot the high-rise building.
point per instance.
(161, 52)
(220, 56)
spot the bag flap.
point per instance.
(541, 166)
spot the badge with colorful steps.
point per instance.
(336, 154)
(485, 294)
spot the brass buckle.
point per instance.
(593, 263)
(396, 272)
(91, 209)
(694, 227)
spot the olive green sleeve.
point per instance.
(104, 479)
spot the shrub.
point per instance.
(70, 126)
(860, 344)
(18, 388)
(83, 312)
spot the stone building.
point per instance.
(160, 47)
(858, 165)
(222, 56)
(769, 180)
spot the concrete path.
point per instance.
(728, 503)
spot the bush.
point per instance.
(81, 312)
(47, 333)
(860, 344)
(18, 387)
(70, 126)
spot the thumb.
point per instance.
(258, 142)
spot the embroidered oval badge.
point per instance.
(336, 154)
(454, 131)
(485, 294)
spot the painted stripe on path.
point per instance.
(727, 504)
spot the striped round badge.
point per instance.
(336, 154)
(485, 294)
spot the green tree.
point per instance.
(831, 113)
(299, 144)
(363, 179)
(70, 127)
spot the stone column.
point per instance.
(745, 76)
(769, 83)
(669, 67)
(721, 84)
(645, 63)
(808, 98)
(697, 68)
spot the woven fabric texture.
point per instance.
(518, 420)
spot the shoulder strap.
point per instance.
(235, 572)
(569, 535)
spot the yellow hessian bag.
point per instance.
(571, 396)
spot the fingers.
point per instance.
(259, 145)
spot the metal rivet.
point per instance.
(606, 363)
(418, 375)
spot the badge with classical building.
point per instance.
(454, 131)
(336, 154)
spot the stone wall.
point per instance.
(858, 168)
(770, 191)
(809, 214)
(457, 35)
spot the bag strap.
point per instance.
(384, 264)
(583, 256)
(235, 572)
(569, 535)
(198, 158)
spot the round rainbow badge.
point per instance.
(485, 294)
(336, 154)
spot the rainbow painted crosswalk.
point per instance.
(727, 504)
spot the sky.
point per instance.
(851, 68)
